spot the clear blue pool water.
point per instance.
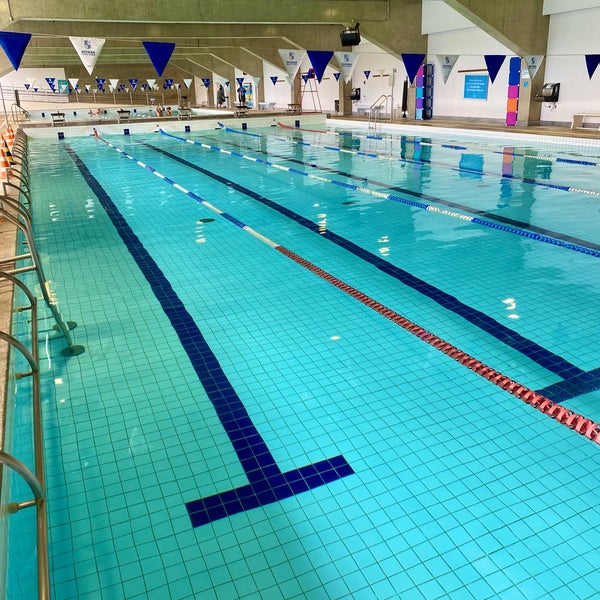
(244, 424)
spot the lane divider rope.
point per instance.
(586, 427)
(529, 180)
(392, 197)
(547, 157)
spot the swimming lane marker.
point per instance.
(540, 237)
(267, 484)
(586, 427)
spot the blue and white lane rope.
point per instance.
(422, 205)
(555, 186)
(548, 157)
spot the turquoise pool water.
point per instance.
(248, 421)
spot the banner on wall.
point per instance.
(347, 62)
(292, 59)
(446, 63)
(533, 64)
(160, 54)
(476, 87)
(14, 44)
(88, 50)
(493, 63)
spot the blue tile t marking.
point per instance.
(266, 482)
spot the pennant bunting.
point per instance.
(292, 59)
(133, 83)
(206, 82)
(446, 63)
(151, 83)
(336, 75)
(114, 82)
(412, 62)
(274, 79)
(14, 45)
(347, 62)
(160, 54)
(592, 61)
(533, 64)
(187, 83)
(88, 50)
(51, 81)
(493, 63)
(319, 59)
(367, 74)
(240, 80)
(74, 83)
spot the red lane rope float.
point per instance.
(586, 427)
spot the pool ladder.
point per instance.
(376, 107)
(19, 215)
(37, 481)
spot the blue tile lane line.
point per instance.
(538, 354)
(572, 387)
(267, 483)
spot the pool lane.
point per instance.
(266, 482)
(582, 425)
(541, 356)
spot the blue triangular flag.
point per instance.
(493, 63)
(133, 83)
(592, 61)
(160, 54)
(337, 76)
(14, 45)
(367, 73)
(274, 79)
(206, 82)
(319, 59)
(412, 62)
(240, 80)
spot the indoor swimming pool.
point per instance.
(309, 363)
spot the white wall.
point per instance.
(572, 35)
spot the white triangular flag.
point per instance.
(88, 50)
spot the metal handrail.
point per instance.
(24, 224)
(37, 482)
(373, 109)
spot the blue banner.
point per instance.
(14, 45)
(476, 87)
(319, 59)
(160, 54)
(412, 62)
(493, 63)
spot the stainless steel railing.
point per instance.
(36, 481)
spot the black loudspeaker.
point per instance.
(350, 37)
(355, 94)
